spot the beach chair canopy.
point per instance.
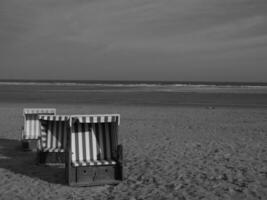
(31, 128)
(94, 139)
(54, 129)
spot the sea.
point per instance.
(141, 93)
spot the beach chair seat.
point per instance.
(31, 130)
(53, 138)
(93, 163)
(94, 156)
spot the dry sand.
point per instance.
(170, 153)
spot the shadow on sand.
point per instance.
(13, 158)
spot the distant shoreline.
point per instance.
(130, 83)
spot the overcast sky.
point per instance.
(206, 40)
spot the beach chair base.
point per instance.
(30, 145)
(94, 175)
(50, 157)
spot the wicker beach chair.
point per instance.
(31, 130)
(94, 156)
(53, 138)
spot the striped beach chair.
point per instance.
(31, 130)
(53, 138)
(94, 156)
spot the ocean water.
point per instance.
(207, 94)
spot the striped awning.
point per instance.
(98, 118)
(54, 117)
(39, 111)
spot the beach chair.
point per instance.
(93, 155)
(53, 138)
(31, 130)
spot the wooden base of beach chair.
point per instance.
(30, 145)
(51, 157)
(95, 175)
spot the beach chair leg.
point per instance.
(119, 171)
(71, 177)
(70, 172)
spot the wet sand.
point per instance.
(141, 96)
(170, 153)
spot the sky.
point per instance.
(167, 40)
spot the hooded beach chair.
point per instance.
(53, 138)
(31, 130)
(93, 154)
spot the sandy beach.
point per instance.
(187, 77)
(170, 153)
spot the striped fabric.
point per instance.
(31, 122)
(54, 117)
(97, 118)
(54, 131)
(39, 111)
(94, 139)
